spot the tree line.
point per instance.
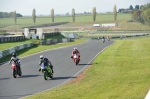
(9, 15)
(142, 15)
(15, 15)
(73, 14)
(128, 10)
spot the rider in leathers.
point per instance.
(46, 62)
(77, 52)
(15, 59)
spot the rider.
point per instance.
(15, 59)
(75, 51)
(103, 38)
(46, 62)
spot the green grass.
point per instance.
(80, 20)
(121, 72)
(4, 46)
(24, 21)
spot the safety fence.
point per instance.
(112, 35)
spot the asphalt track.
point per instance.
(33, 81)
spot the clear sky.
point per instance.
(43, 7)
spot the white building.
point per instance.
(36, 32)
(109, 25)
(96, 25)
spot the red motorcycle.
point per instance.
(108, 38)
(76, 58)
(16, 70)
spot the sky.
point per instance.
(43, 7)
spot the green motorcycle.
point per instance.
(47, 72)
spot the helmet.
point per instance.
(14, 54)
(75, 48)
(41, 57)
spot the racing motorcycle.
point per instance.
(47, 71)
(76, 58)
(108, 38)
(103, 40)
(16, 70)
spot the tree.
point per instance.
(141, 6)
(52, 15)
(9, 15)
(94, 13)
(34, 15)
(73, 14)
(115, 12)
(142, 15)
(131, 7)
(136, 6)
(15, 17)
(67, 14)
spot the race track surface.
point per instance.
(32, 81)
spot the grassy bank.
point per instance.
(121, 72)
(7, 45)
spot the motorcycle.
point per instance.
(103, 40)
(76, 59)
(108, 38)
(16, 70)
(47, 71)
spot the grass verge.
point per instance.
(7, 45)
(121, 72)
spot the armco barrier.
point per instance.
(9, 51)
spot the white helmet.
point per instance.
(75, 48)
(41, 57)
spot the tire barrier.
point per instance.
(11, 38)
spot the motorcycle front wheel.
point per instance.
(20, 72)
(14, 73)
(77, 61)
(45, 75)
